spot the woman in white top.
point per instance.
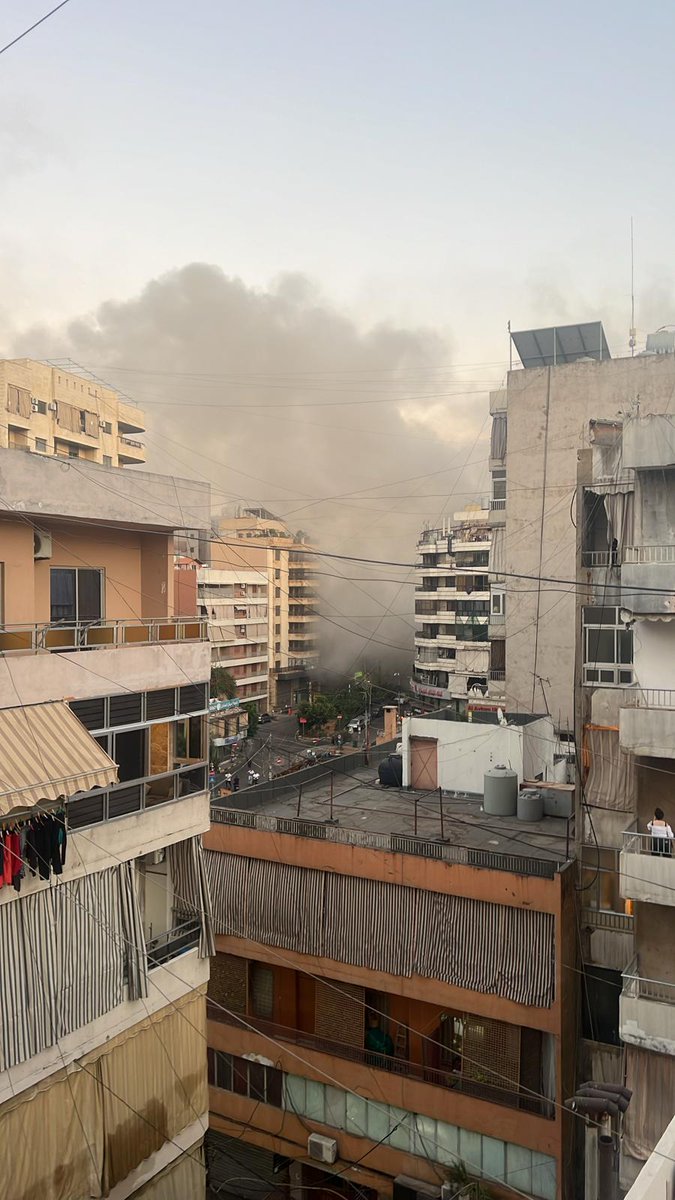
(662, 834)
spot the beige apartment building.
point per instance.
(56, 412)
(104, 909)
(233, 597)
(293, 600)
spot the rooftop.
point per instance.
(364, 813)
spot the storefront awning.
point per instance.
(45, 753)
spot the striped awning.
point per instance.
(46, 753)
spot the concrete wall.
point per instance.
(647, 877)
(548, 415)
(658, 1174)
(41, 487)
(33, 678)
(654, 653)
(648, 731)
(465, 751)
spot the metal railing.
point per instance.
(391, 1064)
(636, 987)
(497, 676)
(600, 558)
(497, 505)
(650, 698)
(168, 945)
(106, 804)
(516, 864)
(602, 918)
(92, 635)
(127, 441)
(649, 554)
(635, 842)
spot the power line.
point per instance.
(33, 26)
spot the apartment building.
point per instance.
(104, 909)
(627, 713)
(293, 601)
(56, 412)
(459, 617)
(234, 598)
(409, 1006)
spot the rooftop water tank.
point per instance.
(530, 805)
(500, 792)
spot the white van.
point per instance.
(356, 725)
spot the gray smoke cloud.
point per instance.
(280, 399)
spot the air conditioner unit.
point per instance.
(53, 407)
(158, 857)
(34, 405)
(42, 544)
(322, 1149)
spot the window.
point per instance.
(277, 610)
(41, 407)
(498, 604)
(41, 445)
(261, 983)
(188, 740)
(277, 555)
(106, 426)
(277, 628)
(277, 647)
(499, 485)
(608, 648)
(107, 460)
(245, 1077)
(277, 573)
(73, 452)
(76, 594)
(277, 593)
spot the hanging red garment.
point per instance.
(7, 867)
(12, 857)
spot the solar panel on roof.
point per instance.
(561, 344)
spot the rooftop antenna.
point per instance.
(631, 337)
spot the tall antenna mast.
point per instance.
(631, 337)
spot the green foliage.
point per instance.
(223, 686)
(466, 1186)
(253, 721)
(321, 710)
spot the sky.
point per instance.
(238, 208)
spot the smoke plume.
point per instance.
(277, 398)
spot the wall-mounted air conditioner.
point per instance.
(322, 1149)
(53, 407)
(42, 544)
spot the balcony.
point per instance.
(129, 418)
(497, 514)
(92, 635)
(647, 723)
(173, 942)
(643, 873)
(647, 1012)
(591, 559)
(106, 804)
(129, 450)
(522, 1099)
(648, 579)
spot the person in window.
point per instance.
(378, 1041)
(662, 834)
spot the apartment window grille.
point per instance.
(245, 1077)
(41, 445)
(499, 485)
(607, 646)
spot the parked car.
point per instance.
(264, 718)
(390, 771)
(357, 724)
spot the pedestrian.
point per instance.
(228, 780)
(235, 783)
(662, 834)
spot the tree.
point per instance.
(223, 686)
(253, 721)
(319, 712)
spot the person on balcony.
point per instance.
(378, 1041)
(662, 834)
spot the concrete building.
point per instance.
(627, 716)
(293, 601)
(459, 619)
(411, 1005)
(104, 913)
(234, 598)
(56, 412)
(542, 421)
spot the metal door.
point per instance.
(423, 763)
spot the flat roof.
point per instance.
(361, 805)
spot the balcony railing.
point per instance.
(602, 918)
(168, 945)
(649, 554)
(106, 804)
(650, 698)
(497, 505)
(392, 1065)
(395, 843)
(636, 987)
(600, 558)
(92, 635)
(497, 676)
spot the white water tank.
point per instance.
(530, 805)
(500, 792)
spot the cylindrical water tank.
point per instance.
(500, 792)
(530, 805)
